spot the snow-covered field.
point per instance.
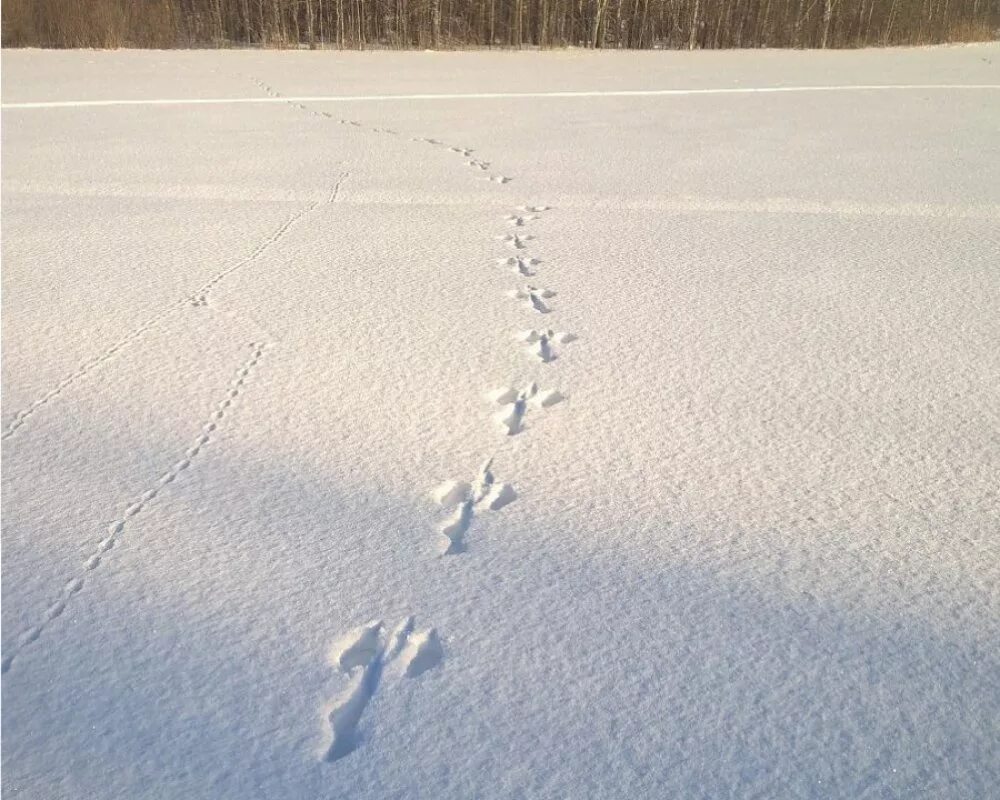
(739, 537)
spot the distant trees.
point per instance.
(671, 24)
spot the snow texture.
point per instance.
(754, 555)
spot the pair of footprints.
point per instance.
(533, 297)
(364, 655)
(539, 343)
(528, 213)
(515, 404)
(485, 493)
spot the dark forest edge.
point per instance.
(404, 24)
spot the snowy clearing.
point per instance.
(615, 425)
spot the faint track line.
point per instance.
(273, 95)
(22, 416)
(75, 585)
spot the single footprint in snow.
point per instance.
(464, 151)
(363, 655)
(423, 652)
(199, 301)
(357, 647)
(521, 265)
(516, 240)
(540, 343)
(475, 163)
(515, 405)
(468, 498)
(534, 209)
(500, 179)
(533, 297)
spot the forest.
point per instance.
(450, 24)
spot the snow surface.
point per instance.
(752, 553)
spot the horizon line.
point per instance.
(192, 101)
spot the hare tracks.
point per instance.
(515, 240)
(533, 297)
(366, 652)
(540, 343)
(364, 655)
(515, 405)
(468, 499)
(463, 152)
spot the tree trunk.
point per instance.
(827, 17)
(693, 35)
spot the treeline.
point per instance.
(670, 24)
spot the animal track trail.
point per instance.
(464, 152)
(534, 298)
(468, 499)
(515, 405)
(540, 343)
(140, 503)
(363, 655)
(198, 298)
(269, 91)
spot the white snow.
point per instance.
(756, 553)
